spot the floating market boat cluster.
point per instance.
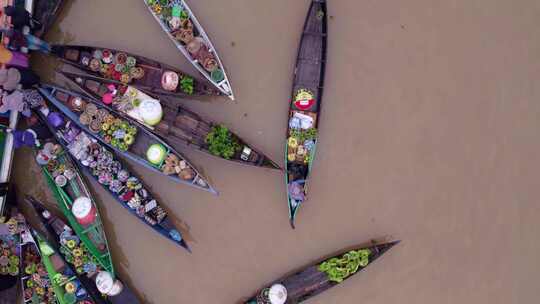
(127, 111)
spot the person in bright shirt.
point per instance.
(12, 58)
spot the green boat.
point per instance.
(68, 187)
(67, 287)
(35, 278)
(59, 233)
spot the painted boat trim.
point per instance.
(212, 49)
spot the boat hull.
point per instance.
(309, 281)
(165, 228)
(179, 127)
(78, 56)
(223, 85)
(305, 106)
(137, 152)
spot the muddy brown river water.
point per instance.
(429, 134)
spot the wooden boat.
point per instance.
(67, 185)
(130, 192)
(7, 121)
(305, 106)
(10, 258)
(45, 12)
(320, 276)
(136, 143)
(67, 287)
(179, 127)
(182, 27)
(57, 233)
(35, 279)
(148, 75)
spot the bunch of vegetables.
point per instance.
(77, 255)
(38, 285)
(221, 142)
(119, 133)
(304, 135)
(9, 261)
(164, 8)
(186, 84)
(338, 269)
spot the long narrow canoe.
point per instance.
(10, 258)
(305, 106)
(35, 279)
(100, 163)
(320, 276)
(7, 121)
(64, 281)
(46, 11)
(179, 127)
(57, 164)
(54, 225)
(146, 74)
(58, 232)
(182, 27)
(124, 137)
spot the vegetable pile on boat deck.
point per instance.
(110, 173)
(301, 141)
(76, 254)
(221, 142)
(9, 249)
(181, 27)
(121, 67)
(338, 269)
(117, 66)
(73, 290)
(114, 130)
(48, 156)
(35, 277)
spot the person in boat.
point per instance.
(297, 190)
(26, 41)
(17, 78)
(30, 137)
(20, 18)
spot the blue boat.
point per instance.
(141, 141)
(133, 196)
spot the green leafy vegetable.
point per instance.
(338, 269)
(221, 142)
(186, 84)
(303, 135)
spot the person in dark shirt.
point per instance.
(20, 18)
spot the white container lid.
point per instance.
(104, 282)
(151, 111)
(277, 294)
(82, 207)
